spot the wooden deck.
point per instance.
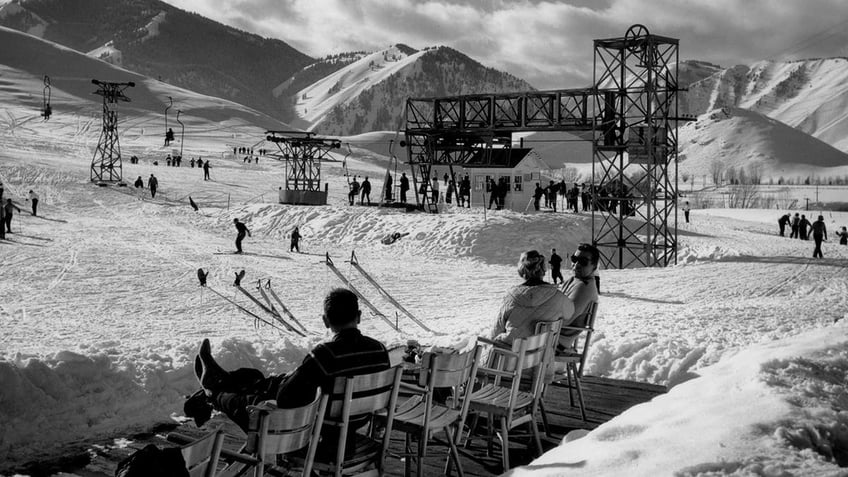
(605, 399)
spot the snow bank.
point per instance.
(773, 409)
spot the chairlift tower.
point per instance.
(106, 163)
(635, 149)
(303, 153)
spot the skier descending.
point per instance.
(242, 231)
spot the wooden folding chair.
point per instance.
(274, 437)
(420, 415)
(552, 328)
(500, 396)
(570, 363)
(201, 455)
(352, 453)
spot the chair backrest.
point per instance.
(201, 456)
(526, 358)
(582, 351)
(273, 431)
(456, 371)
(363, 394)
(590, 330)
(552, 328)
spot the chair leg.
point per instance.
(422, 451)
(490, 428)
(471, 428)
(579, 394)
(454, 455)
(536, 437)
(407, 461)
(568, 383)
(544, 415)
(504, 444)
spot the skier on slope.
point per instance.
(9, 207)
(295, 240)
(242, 231)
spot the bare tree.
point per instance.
(570, 175)
(755, 173)
(716, 172)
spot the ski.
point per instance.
(282, 306)
(270, 311)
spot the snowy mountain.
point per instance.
(809, 95)
(158, 40)
(369, 94)
(736, 137)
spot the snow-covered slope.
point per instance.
(736, 137)
(810, 95)
(315, 101)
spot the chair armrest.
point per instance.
(497, 344)
(482, 370)
(232, 456)
(407, 387)
(262, 406)
(178, 438)
(577, 328)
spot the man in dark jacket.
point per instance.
(242, 231)
(348, 353)
(782, 222)
(404, 187)
(152, 184)
(556, 264)
(819, 233)
(537, 196)
(366, 192)
(8, 208)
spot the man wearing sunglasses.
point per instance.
(581, 290)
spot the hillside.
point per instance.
(810, 95)
(158, 40)
(736, 137)
(370, 93)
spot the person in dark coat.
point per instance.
(819, 231)
(8, 208)
(782, 222)
(366, 192)
(537, 196)
(556, 267)
(796, 222)
(804, 228)
(206, 167)
(348, 353)
(404, 187)
(152, 184)
(295, 240)
(139, 183)
(388, 188)
(33, 199)
(242, 231)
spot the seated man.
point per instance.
(349, 353)
(580, 290)
(530, 302)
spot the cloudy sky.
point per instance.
(548, 43)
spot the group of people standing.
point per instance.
(8, 208)
(803, 229)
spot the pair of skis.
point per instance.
(280, 323)
(267, 293)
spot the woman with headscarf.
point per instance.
(531, 302)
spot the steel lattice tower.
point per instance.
(303, 153)
(635, 149)
(106, 163)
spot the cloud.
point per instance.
(548, 43)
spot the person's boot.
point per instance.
(211, 374)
